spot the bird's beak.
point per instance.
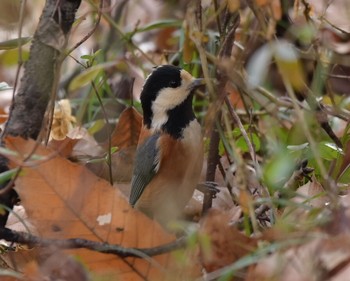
(196, 83)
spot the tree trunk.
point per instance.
(27, 114)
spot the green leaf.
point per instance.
(6, 176)
(114, 149)
(289, 64)
(221, 148)
(96, 126)
(298, 147)
(278, 170)
(90, 58)
(86, 57)
(329, 151)
(11, 57)
(88, 75)
(306, 33)
(155, 25)
(242, 144)
(160, 24)
(14, 43)
(8, 152)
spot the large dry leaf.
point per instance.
(65, 200)
(127, 131)
(227, 243)
(122, 166)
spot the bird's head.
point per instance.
(166, 98)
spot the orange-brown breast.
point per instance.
(172, 187)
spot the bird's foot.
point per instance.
(209, 186)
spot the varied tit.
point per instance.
(169, 156)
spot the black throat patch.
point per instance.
(179, 117)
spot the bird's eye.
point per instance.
(173, 84)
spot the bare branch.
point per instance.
(77, 243)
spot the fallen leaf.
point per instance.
(57, 266)
(127, 131)
(319, 258)
(226, 243)
(65, 200)
(78, 145)
(64, 147)
(122, 166)
(313, 192)
(86, 146)
(341, 218)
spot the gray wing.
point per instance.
(146, 166)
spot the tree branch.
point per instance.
(213, 155)
(77, 243)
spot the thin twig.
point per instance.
(330, 184)
(129, 42)
(218, 22)
(20, 56)
(213, 156)
(238, 122)
(92, 31)
(109, 152)
(77, 243)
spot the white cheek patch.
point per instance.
(166, 100)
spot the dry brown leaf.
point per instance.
(261, 2)
(86, 146)
(125, 138)
(57, 266)
(127, 131)
(310, 194)
(276, 9)
(65, 200)
(3, 116)
(165, 39)
(122, 166)
(234, 97)
(340, 224)
(323, 258)
(222, 201)
(63, 147)
(10, 278)
(335, 12)
(227, 244)
(233, 5)
(313, 192)
(78, 144)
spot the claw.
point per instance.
(210, 186)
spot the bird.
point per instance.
(169, 156)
